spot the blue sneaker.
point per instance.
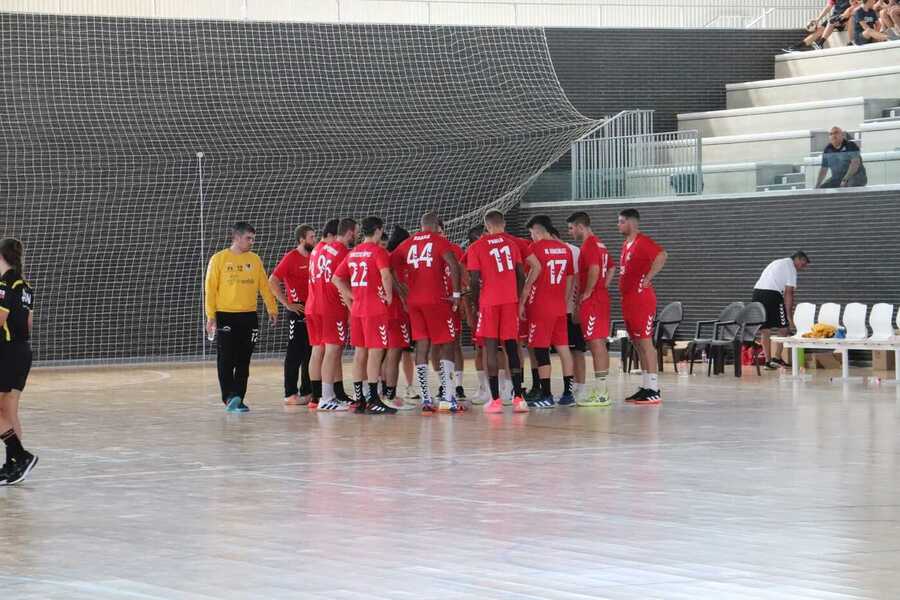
(567, 400)
(243, 407)
(234, 405)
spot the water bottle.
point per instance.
(211, 335)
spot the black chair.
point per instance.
(664, 329)
(664, 334)
(749, 320)
(723, 328)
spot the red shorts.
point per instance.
(499, 322)
(334, 331)
(639, 311)
(550, 331)
(594, 318)
(435, 322)
(314, 330)
(370, 332)
(398, 334)
(524, 330)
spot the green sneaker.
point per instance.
(595, 398)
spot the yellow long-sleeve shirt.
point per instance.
(233, 281)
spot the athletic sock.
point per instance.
(447, 368)
(653, 381)
(601, 377)
(568, 381)
(316, 389)
(482, 381)
(458, 378)
(358, 392)
(494, 386)
(14, 447)
(535, 379)
(339, 389)
(422, 378)
(390, 392)
(327, 392)
(645, 380)
(517, 383)
(373, 391)
(545, 387)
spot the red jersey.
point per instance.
(594, 253)
(328, 298)
(419, 262)
(548, 295)
(293, 271)
(362, 270)
(495, 256)
(635, 262)
(311, 287)
(448, 280)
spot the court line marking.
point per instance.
(160, 376)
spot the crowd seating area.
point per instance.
(772, 132)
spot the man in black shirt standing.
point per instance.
(842, 158)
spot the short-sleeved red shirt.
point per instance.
(361, 268)
(328, 299)
(548, 295)
(635, 262)
(420, 259)
(594, 253)
(495, 257)
(293, 271)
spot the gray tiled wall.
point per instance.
(717, 248)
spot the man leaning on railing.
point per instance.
(841, 156)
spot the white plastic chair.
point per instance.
(804, 317)
(830, 314)
(880, 322)
(855, 321)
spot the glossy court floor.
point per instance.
(755, 489)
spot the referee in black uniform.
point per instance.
(16, 300)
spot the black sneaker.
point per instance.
(649, 397)
(17, 470)
(771, 366)
(345, 399)
(4, 474)
(359, 407)
(641, 394)
(460, 393)
(377, 407)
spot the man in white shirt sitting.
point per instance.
(775, 291)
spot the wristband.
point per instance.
(456, 295)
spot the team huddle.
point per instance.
(413, 292)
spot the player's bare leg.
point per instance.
(9, 410)
(579, 371)
(460, 363)
(491, 366)
(331, 360)
(390, 370)
(535, 392)
(445, 354)
(484, 392)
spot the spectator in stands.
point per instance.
(817, 27)
(841, 156)
(890, 18)
(889, 13)
(865, 24)
(775, 291)
(841, 13)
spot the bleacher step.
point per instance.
(837, 59)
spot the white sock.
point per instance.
(653, 381)
(645, 380)
(458, 378)
(447, 368)
(482, 380)
(327, 391)
(422, 376)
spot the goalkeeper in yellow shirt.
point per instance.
(234, 279)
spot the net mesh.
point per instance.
(105, 118)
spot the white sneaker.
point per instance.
(332, 406)
(412, 393)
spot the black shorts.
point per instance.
(839, 22)
(15, 364)
(773, 302)
(576, 336)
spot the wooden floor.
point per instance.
(756, 489)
